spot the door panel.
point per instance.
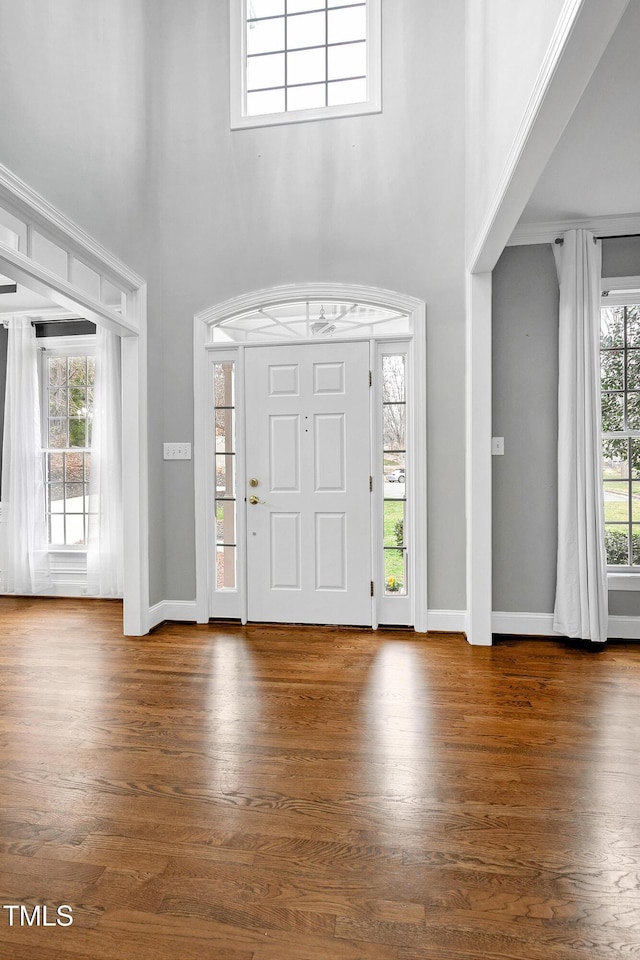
(330, 453)
(286, 561)
(331, 551)
(308, 445)
(284, 454)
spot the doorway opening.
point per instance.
(55, 266)
(310, 458)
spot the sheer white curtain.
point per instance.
(581, 606)
(24, 561)
(104, 554)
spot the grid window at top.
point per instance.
(305, 54)
(620, 369)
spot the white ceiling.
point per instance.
(595, 169)
(23, 300)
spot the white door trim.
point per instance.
(35, 212)
(204, 348)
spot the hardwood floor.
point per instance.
(300, 794)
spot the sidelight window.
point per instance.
(224, 388)
(394, 454)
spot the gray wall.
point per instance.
(117, 112)
(72, 102)
(375, 200)
(525, 411)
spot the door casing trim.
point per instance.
(17, 198)
(203, 325)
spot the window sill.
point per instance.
(247, 122)
(68, 565)
(623, 581)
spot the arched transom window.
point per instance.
(312, 319)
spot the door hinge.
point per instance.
(370, 484)
(370, 378)
(372, 588)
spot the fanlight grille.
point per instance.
(311, 319)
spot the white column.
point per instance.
(203, 470)
(135, 505)
(478, 458)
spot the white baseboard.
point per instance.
(541, 625)
(180, 610)
(447, 621)
(624, 628)
(524, 624)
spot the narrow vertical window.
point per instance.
(225, 472)
(68, 412)
(620, 382)
(304, 59)
(394, 452)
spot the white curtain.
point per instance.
(104, 555)
(581, 606)
(24, 561)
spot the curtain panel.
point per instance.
(581, 603)
(24, 559)
(104, 553)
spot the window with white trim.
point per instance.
(67, 389)
(620, 384)
(394, 453)
(295, 60)
(224, 390)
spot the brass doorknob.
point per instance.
(253, 499)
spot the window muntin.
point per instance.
(394, 451)
(311, 320)
(67, 401)
(620, 385)
(304, 60)
(224, 387)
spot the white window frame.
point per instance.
(621, 292)
(394, 608)
(226, 600)
(66, 346)
(238, 79)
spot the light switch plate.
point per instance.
(497, 446)
(177, 451)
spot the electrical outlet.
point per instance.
(177, 451)
(497, 446)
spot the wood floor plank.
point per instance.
(297, 793)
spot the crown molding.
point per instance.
(31, 207)
(71, 298)
(533, 111)
(583, 30)
(546, 231)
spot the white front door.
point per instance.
(307, 484)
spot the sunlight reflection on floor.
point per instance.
(399, 720)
